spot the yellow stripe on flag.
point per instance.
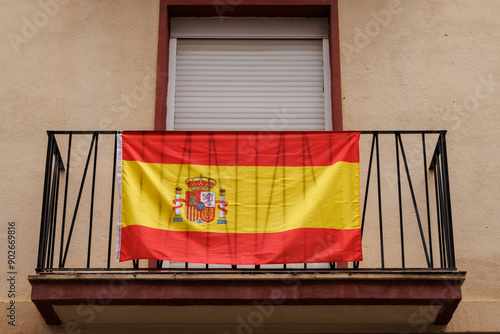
(262, 199)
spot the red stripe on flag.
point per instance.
(242, 149)
(294, 246)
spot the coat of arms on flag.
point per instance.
(200, 201)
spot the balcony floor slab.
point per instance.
(362, 297)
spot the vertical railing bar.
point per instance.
(54, 214)
(427, 201)
(438, 209)
(443, 217)
(65, 201)
(446, 184)
(380, 220)
(135, 264)
(444, 209)
(46, 194)
(92, 196)
(51, 230)
(50, 213)
(75, 213)
(363, 215)
(50, 216)
(367, 185)
(424, 244)
(401, 228)
(159, 264)
(113, 183)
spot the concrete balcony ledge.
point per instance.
(219, 298)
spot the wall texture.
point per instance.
(435, 65)
(406, 64)
(66, 65)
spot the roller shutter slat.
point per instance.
(248, 89)
(246, 94)
(237, 116)
(244, 110)
(199, 126)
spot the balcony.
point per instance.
(408, 276)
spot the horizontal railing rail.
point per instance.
(406, 217)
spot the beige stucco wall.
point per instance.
(435, 65)
(410, 64)
(84, 65)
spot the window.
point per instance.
(249, 74)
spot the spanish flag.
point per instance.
(239, 198)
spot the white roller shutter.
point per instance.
(261, 85)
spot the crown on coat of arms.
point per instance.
(200, 183)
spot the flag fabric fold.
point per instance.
(239, 198)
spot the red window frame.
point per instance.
(246, 8)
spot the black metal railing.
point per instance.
(398, 179)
